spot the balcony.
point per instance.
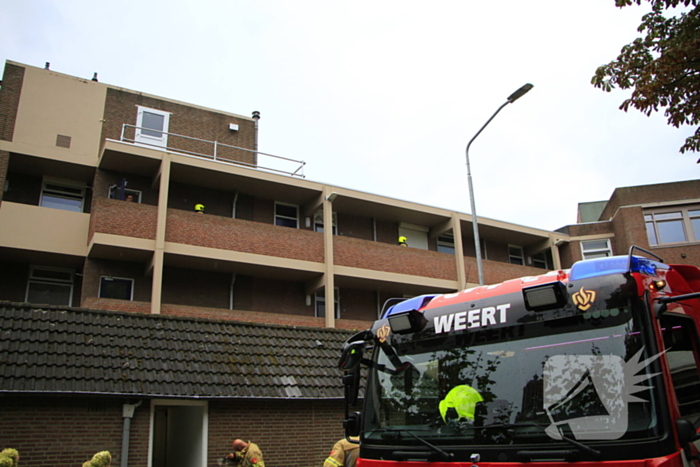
(35, 228)
(115, 157)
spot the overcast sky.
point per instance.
(383, 96)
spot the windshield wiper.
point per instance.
(443, 454)
(596, 454)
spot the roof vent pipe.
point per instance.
(256, 117)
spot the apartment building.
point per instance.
(73, 150)
(133, 322)
(663, 219)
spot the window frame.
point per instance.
(121, 279)
(318, 222)
(586, 254)
(540, 260)
(320, 297)
(446, 243)
(33, 279)
(54, 192)
(279, 216)
(111, 194)
(140, 135)
(511, 256)
(689, 221)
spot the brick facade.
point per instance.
(193, 122)
(9, 99)
(290, 433)
(353, 252)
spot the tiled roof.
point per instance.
(68, 350)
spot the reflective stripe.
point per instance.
(334, 462)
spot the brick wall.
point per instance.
(95, 268)
(248, 316)
(496, 272)
(9, 99)
(113, 216)
(355, 226)
(661, 192)
(353, 252)
(594, 228)
(204, 124)
(65, 432)
(289, 433)
(238, 235)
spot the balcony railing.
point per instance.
(217, 151)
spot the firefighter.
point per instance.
(403, 241)
(248, 454)
(199, 208)
(343, 454)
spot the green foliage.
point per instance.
(101, 459)
(9, 457)
(662, 68)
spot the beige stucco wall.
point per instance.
(54, 104)
(43, 229)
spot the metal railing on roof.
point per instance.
(216, 151)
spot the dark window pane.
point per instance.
(286, 211)
(286, 222)
(115, 288)
(51, 294)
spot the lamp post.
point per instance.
(512, 98)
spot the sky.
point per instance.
(383, 96)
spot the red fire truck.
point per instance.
(596, 364)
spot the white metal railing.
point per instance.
(217, 149)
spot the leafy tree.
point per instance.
(662, 67)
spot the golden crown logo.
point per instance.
(383, 333)
(584, 299)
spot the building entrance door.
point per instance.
(179, 434)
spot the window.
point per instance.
(152, 127)
(287, 215)
(318, 222)
(67, 195)
(116, 287)
(673, 225)
(539, 260)
(446, 243)
(515, 255)
(321, 303)
(115, 192)
(596, 249)
(51, 286)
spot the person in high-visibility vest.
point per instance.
(248, 454)
(463, 400)
(343, 454)
(199, 208)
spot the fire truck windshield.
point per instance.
(574, 377)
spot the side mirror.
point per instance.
(352, 424)
(351, 355)
(686, 431)
(351, 381)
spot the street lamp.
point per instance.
(512, 98)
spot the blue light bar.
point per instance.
(415, 303)
(614, 265)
